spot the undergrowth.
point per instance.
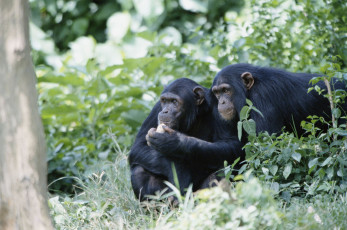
(108, 202)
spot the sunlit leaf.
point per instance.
(194, 5)
(287, 170)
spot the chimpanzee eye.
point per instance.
(225, 90)
(174, 101)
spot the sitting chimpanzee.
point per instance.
(196, 141)
(281, 96)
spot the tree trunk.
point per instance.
(23, 201)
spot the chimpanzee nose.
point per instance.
(165, 111)
(222, 101)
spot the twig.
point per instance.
(330, 96)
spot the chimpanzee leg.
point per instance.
(145, 183)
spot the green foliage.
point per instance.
(294, 35)
(321, 212)
(247, 124)
(66, 20)
(248, 206)
(107, 201)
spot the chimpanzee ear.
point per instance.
(248, 80)
(199, 94)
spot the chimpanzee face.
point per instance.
(172, 110)
(227, 95)
(224, 94)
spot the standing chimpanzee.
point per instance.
(195, 140)
(281, 96)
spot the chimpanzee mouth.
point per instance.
(227, 113)
(167, 123)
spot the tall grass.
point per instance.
(108, 202)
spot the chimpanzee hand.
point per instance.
(169, 143)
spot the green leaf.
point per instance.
(148, 35)
(117, 26)
(194, 5)
(80, 26)
(223, 61)
(275, 187)
(327, 161)
(244, 113)
(149, 9)
(258, 111)
(257, 163)
(311, 169)
(110, 69)
(340, 172)
(336, 112)
(265, 171)
(58, 110)
(274, 169)
(239, 129)
(330, 172)
(341, 160)
(312, 162)
(152, 67)
(239, 43)
(238, 177)
(235, 162)
(321, 173)
(249, 102)
(68, 79)
(249, 127)
(134, 117)
(137, 63)
(287, 170)
(342, 132)
(296, 156)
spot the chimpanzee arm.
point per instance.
(178, 145)
(142, 154)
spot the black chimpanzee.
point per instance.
(196, 141)
(281, 96)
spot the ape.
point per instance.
(196, 141)
(281, 96)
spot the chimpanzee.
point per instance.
(195, 140)
(282, 97)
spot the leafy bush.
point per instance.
(294, 35)
(248, 206)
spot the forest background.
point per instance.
(100, 67)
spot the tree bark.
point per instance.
(23, 186)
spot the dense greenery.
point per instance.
(66, 20)
(95, 94)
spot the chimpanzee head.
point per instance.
(231, 86)
(180, 102)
